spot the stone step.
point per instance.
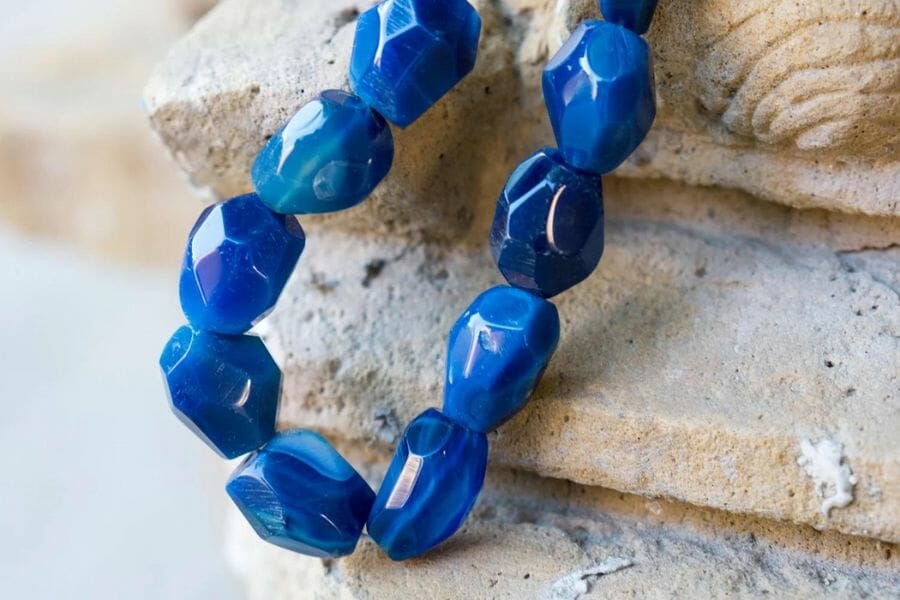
(728, 353)
(746, 101)
(541, 538)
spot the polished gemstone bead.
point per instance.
(329, 156)
(409, 53)
(633, 14)
(299, 493)
(548, 228)
(224, 388)
(238, 258)
(430, 487)
(600, 95)
(497, 352)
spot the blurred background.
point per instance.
(103, 495)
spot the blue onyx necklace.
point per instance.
(294, 488)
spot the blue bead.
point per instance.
(548, 229)
(409, 53)
(329, 156)
(497, 353)
(430, 487)
(600, 96)
(633, 14)
(238, 258)
(224, 388)
(299, 493)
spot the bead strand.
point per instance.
(295, 489)
(547, 236)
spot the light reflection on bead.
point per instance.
(497, 352)
(547, 234)
(408, 53)
(600, 96)
(238, 258)
(329, 157)
(299, 493)
(224, 388)
(430, 487)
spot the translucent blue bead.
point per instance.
(299, 493)
(600, 96)
(548, 229)
(497, 352)
(238, 258)
(329, 156)
(224, 388)
(430, 487)
(409, 53)
(633, 14)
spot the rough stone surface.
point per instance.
(533, 538)
(718, 334)
(795, 102)
(77, 162)
(735, 357)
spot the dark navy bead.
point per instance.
(329, 156)
(600, 96)
(430, 487)
(548, 229)
(497, 353)
(409, 53)
(299, 493)
(238, 258)
(224, 388)
(633, 14)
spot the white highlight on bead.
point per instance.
(406, 482)
(551, 219)
(245, 394)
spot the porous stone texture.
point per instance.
(795, 102)
(537, 538)
(735, 359)
(717, 335)
(77, 162)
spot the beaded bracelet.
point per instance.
(295, 489)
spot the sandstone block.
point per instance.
(728, 353)
(792, 102)
(535, 538)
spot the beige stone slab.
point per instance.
(793, 102)
(538, 538)
(718, 334)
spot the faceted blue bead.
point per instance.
(224, 388)
(409, 53)
(548, 229)
(329, 156)
(299, 493)
(430, 487)
(497, 353)
(633, 14)
(599, 92)
(238, 258)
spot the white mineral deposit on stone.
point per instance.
(576, 584)
(831, 474)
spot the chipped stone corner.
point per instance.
(578, 583)
(825, 464)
